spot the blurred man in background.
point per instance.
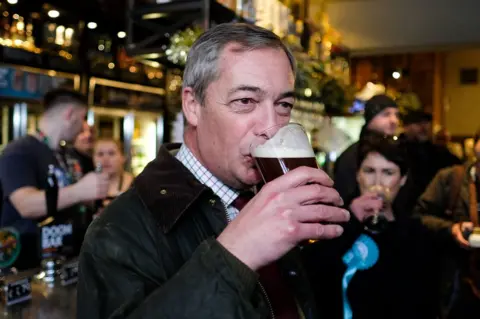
(426, 157)
(83, 147)
(447, 210)
(24, 168)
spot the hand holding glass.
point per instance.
(280, 149)
(378, 222)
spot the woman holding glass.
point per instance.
(401, 284)
(108, 155)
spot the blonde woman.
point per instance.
(108, 153)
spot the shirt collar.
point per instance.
(226, 194)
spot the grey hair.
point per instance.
(202, 62)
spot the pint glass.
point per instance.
(280, 149)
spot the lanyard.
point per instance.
(61, 158)
(45, 139)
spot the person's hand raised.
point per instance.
(366, 205)
(458, 230)
(93, 186)
(293, 208)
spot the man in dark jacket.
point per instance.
(444, 210)
(381, 117)
(427, 158)
(181, 243)
(448, 228)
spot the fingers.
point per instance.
(313, 193)
(370, 195)
(365, 206)
(318, 213)
(319, 231)
(374, 205)
(300, 176)
(457, 232)
(462, 241)
(467, 226)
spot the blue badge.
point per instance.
(363, 255)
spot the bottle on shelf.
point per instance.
(29, 34)
(13, 27)
(21, 28)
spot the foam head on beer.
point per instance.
(287, 149)
(288, 142)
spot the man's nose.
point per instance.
(267, 119)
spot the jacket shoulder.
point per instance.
(446, 174)
(350, 152)
(124, 223)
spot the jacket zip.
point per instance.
(272, 314)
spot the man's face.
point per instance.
(73, 122)
(253, 92)
(421, 132)
(84, 141)
(385, 122)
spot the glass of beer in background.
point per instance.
(280, 149)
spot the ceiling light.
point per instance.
(396, 75)
(155, 15)
(92, 25)
(53, 14)
(121, 34)
(151, 56)
(12, 1)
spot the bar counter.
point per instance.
(48, 302)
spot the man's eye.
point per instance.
(244, 101)
(286, 105)
(243, 105)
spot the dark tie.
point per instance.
(280, 296)
(242, 200)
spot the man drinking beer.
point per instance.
(184, 242)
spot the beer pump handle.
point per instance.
(51, 191)
(98, 202)
(98, 167)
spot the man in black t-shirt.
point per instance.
(24, 167)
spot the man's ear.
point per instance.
(68, 113)
(190, 106)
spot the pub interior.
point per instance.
(127, 58)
